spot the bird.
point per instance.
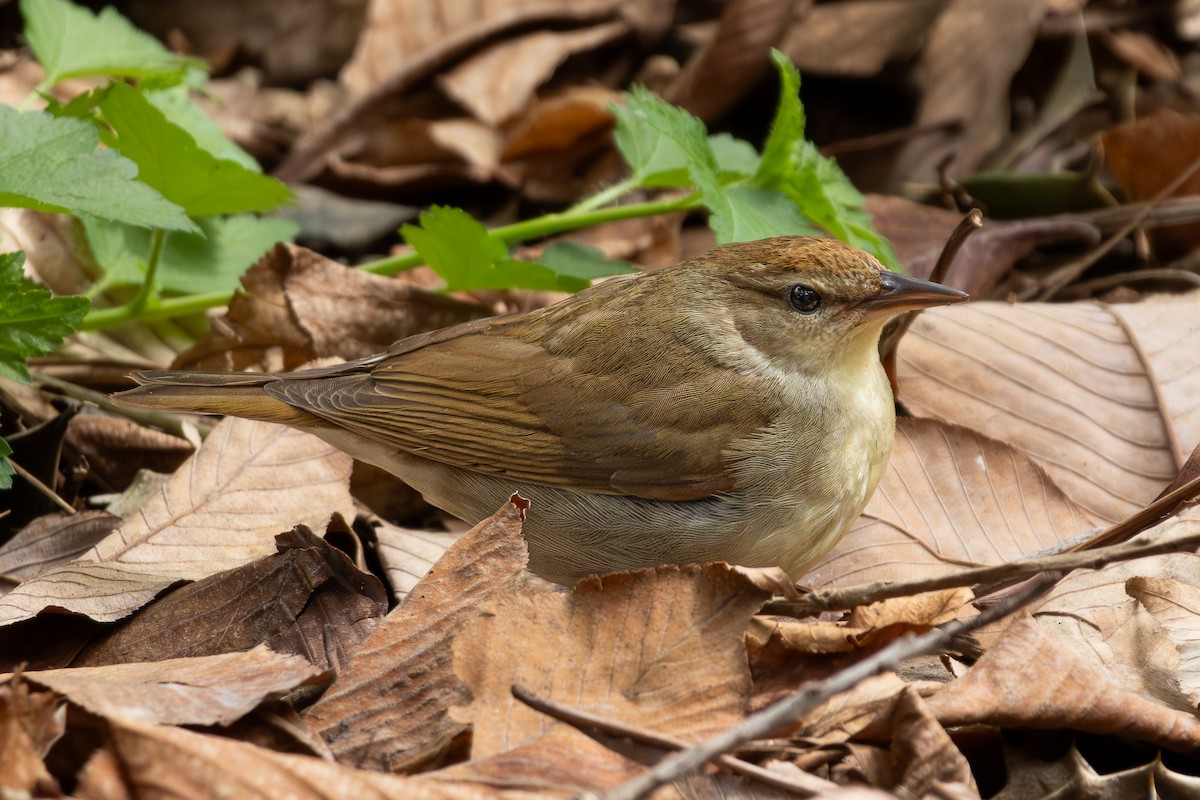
(732, 407)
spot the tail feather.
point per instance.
(237, 394)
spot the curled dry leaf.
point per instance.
(1175, 605)
(498, 82)
(30, 723)
(248, 481)
(1029, 680)
(50, 540)
(949, 497)
(157, 760)
(209, 690)
(1105, 398)
(686, 677)
(288, 316)
(388, 710)
(308, 599)
(117, 448)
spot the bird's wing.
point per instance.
(503, 405)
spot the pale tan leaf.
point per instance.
(498, 82)
(208, 690)
(158, 761)
(856, 38)
(1029, 680)
(248, 482)
(388, 710)
(407, 555)
(1176, 607)
(1105, 398)
(30, 723)
(949, 497)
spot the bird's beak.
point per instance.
(902, 293)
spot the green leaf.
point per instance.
(179, 108)
(6, 469)
(688, 135)
(656, 159)
(71, 42)
(788, 125)
(582, 261)
(466, 256)
(815, 183)
(170, 160)
(211, 261)
(52, 164)
(762, 213)
(32, 321)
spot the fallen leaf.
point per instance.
(407, 555)
(208, 690)
(116, 448)
(400, 684)
(30, 723)
(1175, 605)
(1105, 398)
(308, 599)
(857, 38)
(948, 498)
(1029, 680)
(50, 540)
(221, 509)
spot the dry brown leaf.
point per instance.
(919, 233)
(116, 448)
(308, 599)
(973, 50)
(560, 122)
(222, 509)
(388, 709)
(850, 713)
(30, 723)
(499, 81)
(52, 244)
(162, 761)
(735, 59)
(1148, 155)
(290, 316)
(1029, 680)
(50, 540)
(660, 649)
(407, 555)
(1106, 398)
(1175, 605)
(856, 38)
(208, 690)
(949, 497)
(1092, 614)
(403, 37)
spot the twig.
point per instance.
(1072, 270)
(41, 487)
(1085, 288)
(970, 223)
(584, 721)
(789, 709)
(985, 579)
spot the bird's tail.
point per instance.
(238, 394)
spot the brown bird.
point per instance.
(732, 407)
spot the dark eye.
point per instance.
(804, 299)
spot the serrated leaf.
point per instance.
(170, 160)
(581, 261)
(71, 42)
(758, 213)
(815, 183)
(6, 469)
(179, 109)
(51, 164)
(687, 133)
(210, 261)
(459, 249)
(32, 321)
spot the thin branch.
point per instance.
(788, 710)
(41, 487)
(581, 720)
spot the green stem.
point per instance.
(142, 302)
(155, 309)
(605, 196)
(550, 224)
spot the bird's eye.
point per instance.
(804, 299)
